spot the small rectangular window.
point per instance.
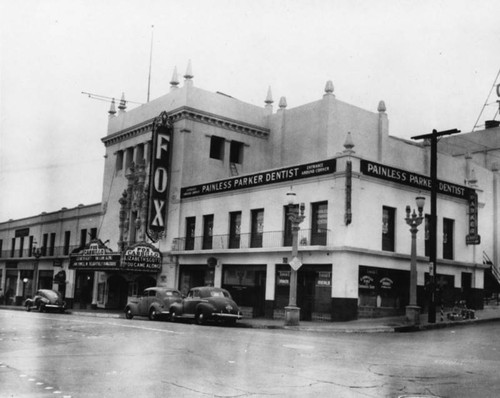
(388, 223)
(30, 246)
(208, 230)
(234, 229)
(319, 223)
(67, 237)
(83, 237)
(427, 234)
(257, 228)
(448, 238)
(119, 161)
(1, 247)
(217, 147)
(13, 247)
(236, 152)
(93, 233)
(21, 246)
(45, 243)
(190, 231)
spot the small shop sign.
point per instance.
(96, 256)
(283, 278)
(324, 279)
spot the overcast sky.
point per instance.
(432, 62)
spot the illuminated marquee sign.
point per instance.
(159, 176)
(268, 177)
(412, 179)
(142, 257)
(96, 256)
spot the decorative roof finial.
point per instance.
(282, 103)
(174, 81)
(189, 72)
(269, 97)
(349, 143)
(381, 107)
(329, 88)
(123, 104)
(112, 109)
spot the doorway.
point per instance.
(83, 289)
(117, 292)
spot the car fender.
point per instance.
(132, 306)
(177, 306)
(207, 308)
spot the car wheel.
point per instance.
(28, 307)
(128, 313)
(200, 318)
(173, 315)
(41, 308)
(153, 315)
(230, 322)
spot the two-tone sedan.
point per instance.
(154, 303)
(206, 303)
(46, 300)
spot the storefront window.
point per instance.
(382, 287)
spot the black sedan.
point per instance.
(46, 300)
(207, 304)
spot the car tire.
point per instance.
(173, 315)
(128, 313)
(230, 322)
(153, 315)
(200, 318)
(41, 308)
(28, 307)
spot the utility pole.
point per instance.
(433, 137)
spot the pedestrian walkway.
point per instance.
(490, 313)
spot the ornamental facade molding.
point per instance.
(192, 114)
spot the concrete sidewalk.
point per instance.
(399, 324)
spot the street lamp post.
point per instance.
(296, 216)
(37, 253)
(412, 310)
(25, 281)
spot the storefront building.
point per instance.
(34, 254)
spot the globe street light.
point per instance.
(296, 216)
(412, 310)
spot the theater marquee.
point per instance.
(268, 177)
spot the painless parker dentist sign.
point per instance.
(412, 179)
(267, 177)
(158, 176)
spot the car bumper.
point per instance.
(226, 316)
(55, 306)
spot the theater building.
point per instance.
(224, 221)
(194, 193)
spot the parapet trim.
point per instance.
(187, 113)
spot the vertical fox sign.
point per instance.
(159, 176)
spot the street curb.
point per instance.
(420, 328)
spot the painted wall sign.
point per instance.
(268, 177)
(141, 257)
(159, 176)
(96, 256)
(413, 180)
(20, 233)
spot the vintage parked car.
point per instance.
(46, 300)
(207, 303)
(154, 303)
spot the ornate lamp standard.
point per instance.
(296, 216)
(412, 310)
(37, 253)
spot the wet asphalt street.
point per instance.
(55, 355)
